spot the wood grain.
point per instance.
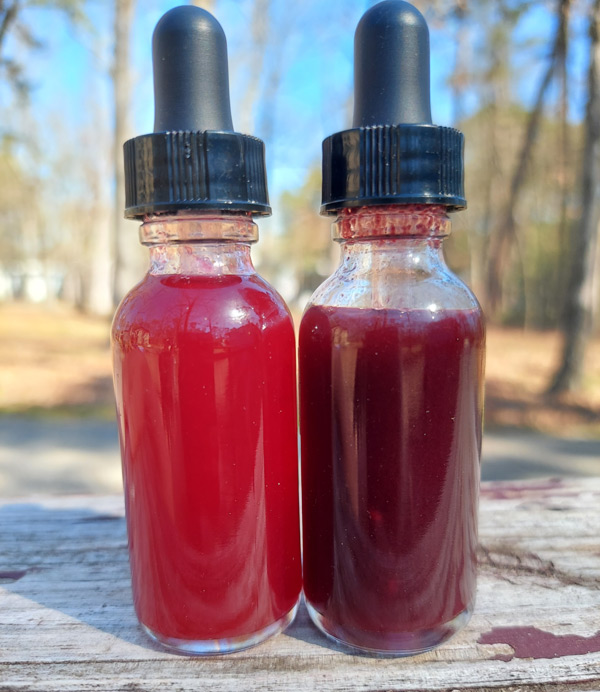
(67, 622)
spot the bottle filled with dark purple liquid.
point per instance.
(391, 380)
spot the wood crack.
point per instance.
(505, 562)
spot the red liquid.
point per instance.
(391, 405)
(205, 385)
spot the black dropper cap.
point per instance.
(194, 159)
(392, 154)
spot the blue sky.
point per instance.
(311, 42)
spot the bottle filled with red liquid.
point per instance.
(204, 370)
(391, 358)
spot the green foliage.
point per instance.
(535, 280)
(306, 243)
(16, 193)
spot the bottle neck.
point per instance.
(399, 238)
(418, 222)
(193, 244)
(392, 259)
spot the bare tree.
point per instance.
(97, 258)
(505, 233)
(128, 266)
(579, 300)
(259, 31)
(460, 72)
(564, 168)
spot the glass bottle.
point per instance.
(391, 367)
(204, 369)
(391, 374)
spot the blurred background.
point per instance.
(521, 78)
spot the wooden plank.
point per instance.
(67, 622)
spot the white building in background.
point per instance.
(31, 281)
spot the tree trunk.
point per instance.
(579, 300)
(460, 71)
(96, 297)
(259, 30)
(208, 5)
(564, 169)
(128, 257)
(504, 236)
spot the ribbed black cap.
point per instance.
(194, 159)
(393, 154)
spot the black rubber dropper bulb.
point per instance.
(393, 154)
(193, 159)
(391, 66)
(191, 77)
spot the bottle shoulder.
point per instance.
(200, 303)
(395, 288)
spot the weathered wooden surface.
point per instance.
(67, 623)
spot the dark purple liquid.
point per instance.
(391, 405)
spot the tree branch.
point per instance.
(9, 17)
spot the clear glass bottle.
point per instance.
(204, 369)
(391, 367)
(391, 394)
